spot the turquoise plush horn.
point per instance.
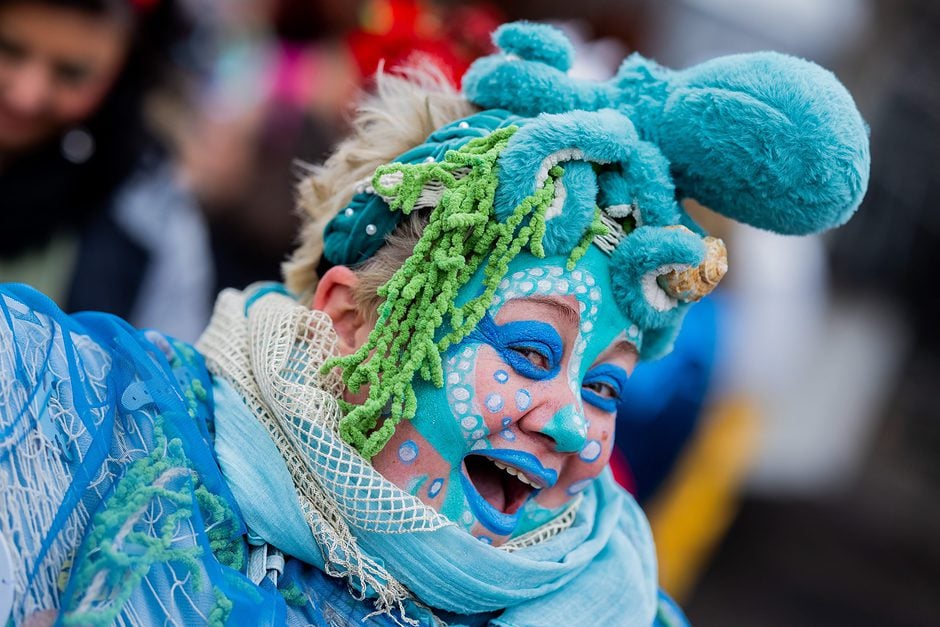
(763, 138)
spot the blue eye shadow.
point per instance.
(608, 374)
(510, 338)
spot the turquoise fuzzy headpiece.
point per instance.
(554, 164)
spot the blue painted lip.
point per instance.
(526, 462)
(496, 521)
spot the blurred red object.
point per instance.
(397, 31)
(622, 472)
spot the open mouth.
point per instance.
(499, 482)
(505, 488)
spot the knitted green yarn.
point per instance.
(462, 234)
(595, 229)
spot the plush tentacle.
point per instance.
(764, 138)
(529, 75)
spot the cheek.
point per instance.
(502, 396)
(413, 464)
(581, 469)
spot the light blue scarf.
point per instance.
(600, 571)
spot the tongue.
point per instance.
(488, 480)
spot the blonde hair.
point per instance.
(402, 112)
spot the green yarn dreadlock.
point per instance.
(462, 234)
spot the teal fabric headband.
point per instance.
(358, 231)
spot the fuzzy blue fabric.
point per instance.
(763, 138)
(644, 251)
(602, 137)
(530, 77)
(643, 182)
(579, 184)
(767, 139)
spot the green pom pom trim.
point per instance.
(463, 234)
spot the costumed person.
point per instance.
(92, 212)
(416, 428)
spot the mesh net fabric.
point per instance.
(547, 531)
(273, 359)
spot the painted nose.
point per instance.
(568, 428)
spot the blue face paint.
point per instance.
(459, 419)
(408, 451)
(534, 516)
(568, 429)
(435, 488)
(415, 484)
(591, 451)
(608, 377)
(494, 402)
(496, 521)
(526, 462)
(579, 486)
(533, 349)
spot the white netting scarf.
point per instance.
(272, 357)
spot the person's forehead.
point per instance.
(550, 285)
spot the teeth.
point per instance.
(515, 472)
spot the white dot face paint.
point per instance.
(519, 398)
(591, 451)
(494, 402)
(408, 452)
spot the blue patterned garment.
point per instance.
(112, 505)
(113, 509)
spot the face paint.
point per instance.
(525, 418)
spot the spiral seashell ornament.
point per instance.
(693, 284)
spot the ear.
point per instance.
(334, 296)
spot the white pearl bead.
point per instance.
(370, 229)
(463, 125)
(349, 211)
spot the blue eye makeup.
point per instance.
(531, 348)
(603, 386)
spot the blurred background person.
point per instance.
(284, 77)
(91, 212)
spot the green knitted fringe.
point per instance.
(463, 233)
(595, 229)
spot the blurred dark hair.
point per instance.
(42, 191)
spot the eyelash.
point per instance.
(610, 377)
(528, 352)
(611, 394)
(532, 360)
